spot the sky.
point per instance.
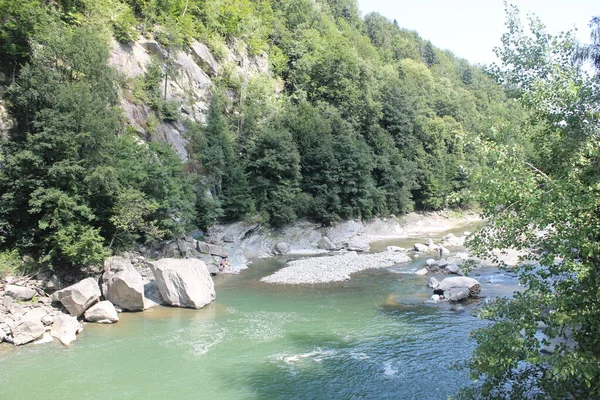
(472, 28)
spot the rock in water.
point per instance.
(27, 331)
(433, 283)
(102, 313)
(122, 285)
(65, 329)
(471, 284)
(183, 283)
(420, 247)
(457, 293)
(19, 292)
(78, 297)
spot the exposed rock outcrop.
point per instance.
(183, 283)
(78, 297)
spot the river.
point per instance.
(260, 341)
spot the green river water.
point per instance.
(259, 341)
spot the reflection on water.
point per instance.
(260, 341)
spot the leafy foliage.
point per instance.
(546, 205)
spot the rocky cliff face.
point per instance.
(192, 73)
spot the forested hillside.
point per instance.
(352, 117)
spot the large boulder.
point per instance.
(19, 292)
(183, 283)
(78, 297)
(457, 293)
(65, 328)
(420, 247)
(102, 313)
(122, 285)
(433, 283)
(27, 331)
(461, 282)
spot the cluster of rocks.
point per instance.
(335, 268)
(456, 288)
(188, 247)
(28, 314)
(450, 240)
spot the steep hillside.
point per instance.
(271, 111)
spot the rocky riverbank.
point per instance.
(41, 310)
(243, 241)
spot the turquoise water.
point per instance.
(259, 341)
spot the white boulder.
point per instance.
(422, 271)
(183, 282)
(457, 293)
(65, 328)
(27, 331)
(122, 285)
(471, 284)
(78, 297)
(102, 313)
(433, 283)
(19, 292)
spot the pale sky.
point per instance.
(472, 28)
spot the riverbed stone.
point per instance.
(27, 331)
(433, 283)
(122, 284)
(422, 271)
(358, 245)
(461, 281)
(399, 258)
(457, 293)
(453, 269)
(394, 249)
(183, 283)
(65, 328)
(19, 292)
(420, 247)
(78, 297)
(103, 312)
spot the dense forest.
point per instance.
(356, 117)
(371, 120)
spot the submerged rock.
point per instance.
(78, 297)
(183, 283)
